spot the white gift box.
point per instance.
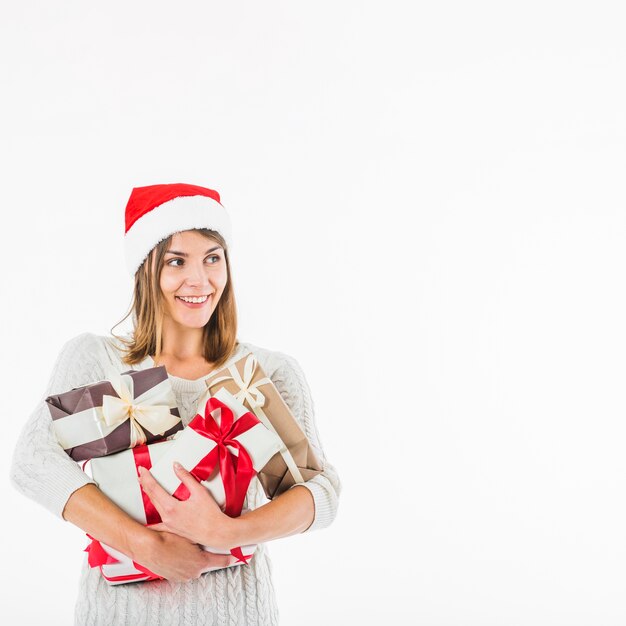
(189, 448)
(116, 476)
(125, 570)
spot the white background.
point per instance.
(428, 202)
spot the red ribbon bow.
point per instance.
(236, 470)
(98, 556)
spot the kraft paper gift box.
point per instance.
(115, 414)
(296, 461)
(117, 477)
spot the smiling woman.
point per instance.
(184, 284)
(184, 317)
(192, 282)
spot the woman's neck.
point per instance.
(182, 354)
(181, 344)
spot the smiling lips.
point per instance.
(193, 301)
(193, 298)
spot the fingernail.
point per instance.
(177, 465)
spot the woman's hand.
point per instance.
(163, 553)
(198, 519)
(178, 559)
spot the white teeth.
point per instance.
(194, 300)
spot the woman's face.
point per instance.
(193, 278)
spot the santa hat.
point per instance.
(154, 213)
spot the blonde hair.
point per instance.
(220, 332)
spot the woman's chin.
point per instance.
(192, 321)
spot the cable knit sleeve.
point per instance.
(325, 487)
(41, 470)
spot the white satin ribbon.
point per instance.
(256, 400)
(151, 409)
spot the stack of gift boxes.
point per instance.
(242, 431)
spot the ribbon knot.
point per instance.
(228, 454)
(236, 470)
(247, 390)
(150, 411)
(256, 401)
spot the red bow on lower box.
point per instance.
(98, 556)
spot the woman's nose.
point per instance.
(195, 274)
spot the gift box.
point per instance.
(224, 446)
(115, 414)
(296, 461)
(117, 568)
(117, 477)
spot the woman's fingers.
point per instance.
(198, 518)
(196, 490)
(159, 497)
(217, 561)
(186, 478)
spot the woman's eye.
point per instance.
(178, 262)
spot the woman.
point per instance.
(176, 243)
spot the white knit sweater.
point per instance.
(235, 596)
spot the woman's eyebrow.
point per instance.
(185, 254)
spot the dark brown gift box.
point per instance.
(81, 428)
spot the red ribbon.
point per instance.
(236, 470)
(141, 455)
(240, 556)
(98, 556)
(129, 578)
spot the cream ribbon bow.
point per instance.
(248, 392)
(256, 400)
(150, 410)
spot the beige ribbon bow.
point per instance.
(256, 400)
(248, 392)
(150, 410)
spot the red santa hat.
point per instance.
(154, 213)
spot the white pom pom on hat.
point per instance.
(155, 212)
